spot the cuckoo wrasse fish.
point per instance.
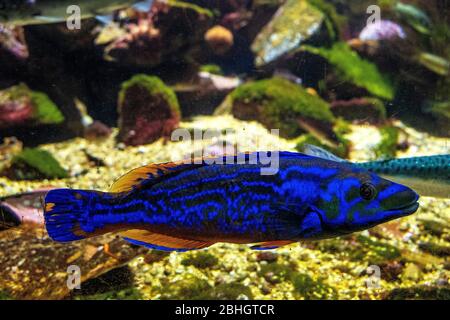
(28, 12)
(427, 175)
(179, 206)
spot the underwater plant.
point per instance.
(34, 164)
(354, 69)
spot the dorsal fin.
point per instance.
(315, 151)
(134, 178)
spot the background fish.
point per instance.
(191, 206)
(429, 176)
(25, 12)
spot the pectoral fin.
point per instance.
(161, 241)
(270, 245)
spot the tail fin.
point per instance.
(67, 214)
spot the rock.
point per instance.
(219, 39)
(294, 22)
(22, 107)
(267, 256)
(97, 130)
(280, 104)
(360, 110)
(148, 110)
(34, 164)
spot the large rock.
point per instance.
(293, 23)
(148, 110)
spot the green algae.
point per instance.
(44, 165)
(376, 251)
(278, 103)
(419, 292)
(311, 289)
(276, 272)
(354, 69)
(191, 6)
(44, 110)
(231, 291)
(154, 86)
(387, 148)
(188, 288)
(435, 249)
(334, 21)
(212, 68)
(200, 260)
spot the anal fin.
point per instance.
(270, 245)
(161, 241)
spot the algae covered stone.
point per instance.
(148, 110)
(22, 107)
(279, 104)
(35, 164)
(293, 23)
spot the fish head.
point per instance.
(356, 200)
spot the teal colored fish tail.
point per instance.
(68, 214)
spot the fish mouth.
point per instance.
(407, 209)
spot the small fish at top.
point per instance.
(26, 12)
(187, 206)
(427, 175)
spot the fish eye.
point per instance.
(368, 191)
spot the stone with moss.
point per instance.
(148, 110)
(280, 104)
(200, 260)
(34, 164)
(352, 68)
(22, 107)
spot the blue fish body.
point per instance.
(191, 206)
